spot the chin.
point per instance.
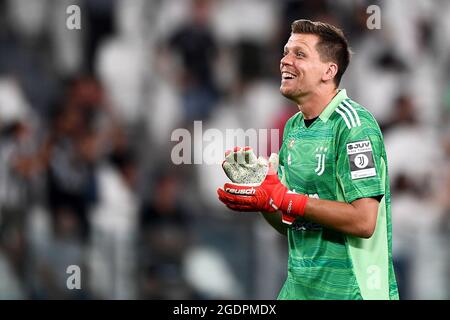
(283, 90)
(286, 92)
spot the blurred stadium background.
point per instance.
(86, 118)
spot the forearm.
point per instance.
(274, 219)
(357, 219)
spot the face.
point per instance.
(301, 68)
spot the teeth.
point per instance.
(287, 75)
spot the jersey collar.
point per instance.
(334, 103)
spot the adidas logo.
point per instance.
(349, 114)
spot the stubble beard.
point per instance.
(292, 95)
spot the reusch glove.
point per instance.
(241, 166)
(268, 196)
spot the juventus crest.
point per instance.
(320, 155)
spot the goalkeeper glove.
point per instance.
(268, 195)
(241, 166)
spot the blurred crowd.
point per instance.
(86, 116)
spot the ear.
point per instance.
(330, 72)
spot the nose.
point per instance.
(286, 60)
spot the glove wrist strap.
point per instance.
(294, 204)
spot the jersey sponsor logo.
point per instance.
(349, 114)
(320, 155)
(244, 192)
(358, 147)
(361, 159)
(303, 225)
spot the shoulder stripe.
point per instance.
(354, 112)
(344, 117)
(350, 115)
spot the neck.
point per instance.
(312, 104)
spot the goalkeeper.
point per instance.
(333, 200)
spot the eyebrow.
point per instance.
(296, 47)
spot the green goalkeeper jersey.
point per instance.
(340, 157)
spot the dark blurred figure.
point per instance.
(76, 143)
(165, 239)
(99, 17)
(249, 61)
(402, 114)
(71, 187)
(82, 133)
(17, 170)
(388, 60)
(197, 48)
(292, 10)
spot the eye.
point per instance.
(300, 54)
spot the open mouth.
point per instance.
(285, 75)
